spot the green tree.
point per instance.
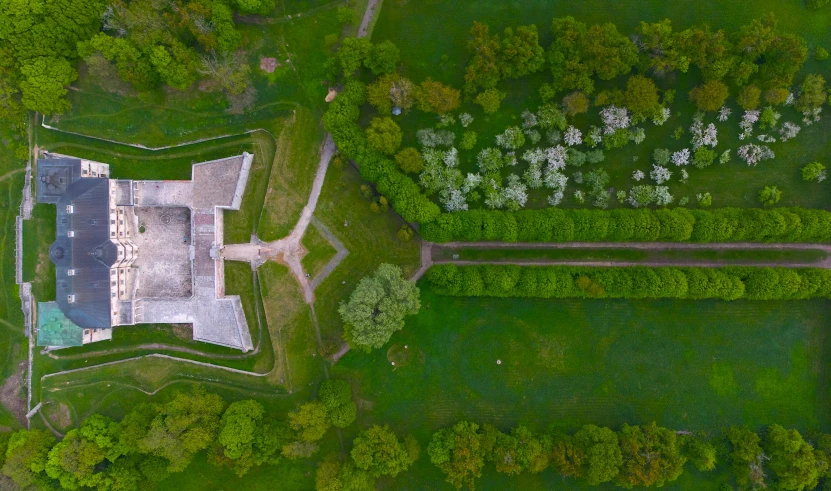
(44, 82)
(378, 450)
(603, 455)
(334, 475)
(575, 103)
(812, 93)
(468, 140)
(391, 90)
(384, 135)
(793, 460)
(310, 421)
(382, 58)
(749, 97)
(568, 69)
(352, 54)
(651, 456)
(458, 452)
(483, 70)
(26, 457)
(701, 454)
(770, 195)
(490, 100)
(642, 97)
(520, 52)
(746, 456)
(377, 307)
(346, 15)
(607, 52)
(409, 160)
(248, 438)
(72, 462)
(336, 396)
(710, 96)
(659, 51)
(432, 96)
(814, 172)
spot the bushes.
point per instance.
(631, 282)
(642, 225)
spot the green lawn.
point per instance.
(728, 256)
(424, 31)
(320, 251)
(687, 365)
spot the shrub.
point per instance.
(575, 103)
(816, 4)
(490, 100)
(814, 172)
(710, 96)
(468, 140)
(346, 15)
(820, 54)
(770, 195)
(436, 97)
(703, 157)
(384, 135)
(409, 160)
(749, 97)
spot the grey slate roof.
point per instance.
(54, 176)
(90, 253)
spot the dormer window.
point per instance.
(70, 233)
(70, 209)
(70, 272)
(70, 298)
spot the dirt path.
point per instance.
(11, 173)
(342, 252)
(372, 8)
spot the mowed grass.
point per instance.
(38, 235)
(728, 256)
(425, 31)
(687, 365)
(320, 251)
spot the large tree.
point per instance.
(26, 458)
(248, 438)
(746, 456)
(651, 456)
(520, 52)
(378, 450)
(336, 396)
(709, 96)
(458, 452)
(384, 135)
(794, 462)
(642, 97)
(377, 307)
(603, 457)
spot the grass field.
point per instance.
(423, 37)
(687, 365)
(320, 251)
(737, 256)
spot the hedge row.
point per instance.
(641, 225)
(728, 283)
(553, 224)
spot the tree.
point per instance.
(746, 456)
(770, 195)
(432, 96)
(710, 96)
(346, 15)
(490, 100)
(384, 135)
(575, 103)
(352, 54)
(814, 172)
(793, 461)
(336, 396)
(378, 450)
(72, 461)
(483, 70)
(651, 456)
(659, 52)
(26, 458)
(701, 454)
(642, 97)
(382, 58)
(458, 452)
(569, 70)
(520, 52)
(606, 52)
(409, 160)
(777, 96)
(248, 438)
(391, 90)
(44, 84)
(812, 93)
(603, 456)
(377, 307)
(749, 97)
(334, 475)
(182, 427)
(310, 421)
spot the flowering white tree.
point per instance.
(489, 160)
(638, 135)
(789, 130)
(724, 157)
(437, 177)
(515, 193)
(660, 174)
(638, 175)
(533, 176)
(529, 119)
(511, 139)
(681, 157)
(510, 159)
(556, 156)
(451, 158)
(493, 193)
(748, 120)
(554, 179)
(753, 154)
(534, 156)
(724, 113)
(662, 117)
(578, 196)
(454, 200)
(790, 100)
(684, 175)
(465, 119)
(766, 138)
(811, 116)
(556, 198)
(431, 138)
(614, 118)
(533, 136)
(595, 137)
(662, 196)
(471, 182)
(703, 135)
(573, 136)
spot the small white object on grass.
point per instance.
(405, 346)
(393, 363)
(498, 362)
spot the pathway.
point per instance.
(342, 252)
(372, 7)
(427, 254)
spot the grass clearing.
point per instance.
(295, 162)
(370, 239)
(290, 326)
(38, 235)
(731, 256)
(687, 365)
(320, 251)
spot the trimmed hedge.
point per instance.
(635, 225)
(727, 283)
(553, 224)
